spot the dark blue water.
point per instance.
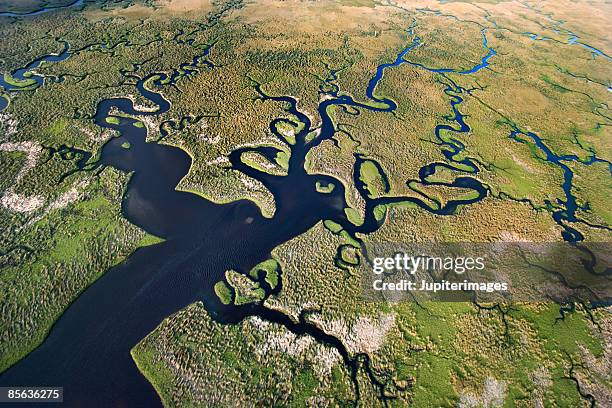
(557, 28)
(484, 62)
(76, 3)
(452, 147)
(87, 350)
(569, 205)
(562, 216)
(572, 40)
(26, 73)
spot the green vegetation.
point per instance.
(282, 158)
(241, 363)
(288, 131)
(353, 216)
(149, 239)
(373, 180)
(258, 161)
(58, 128)
(27, 83)
(241, 289)
(324, 189)
(332, 226)
(223, 292)
(11, 163)
(380, 211)
(271, 270)
(56, 238)
(560, 335)
(349, 255)
(159, 374)
(73, 244)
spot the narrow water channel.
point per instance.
(88, 349)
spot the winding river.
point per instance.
(88, 349)
(43, 10)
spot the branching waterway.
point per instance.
(43, 10)
(88, 349)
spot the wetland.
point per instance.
(89, 349)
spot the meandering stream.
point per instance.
(43, 10)
(88, 349)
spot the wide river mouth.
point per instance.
(88, 349)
